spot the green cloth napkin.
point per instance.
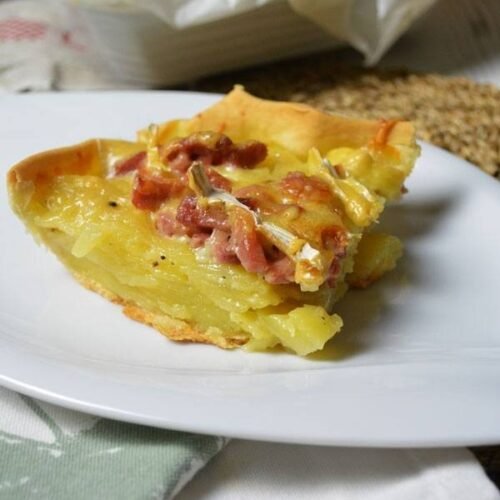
(47, 452)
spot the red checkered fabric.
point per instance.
(21, 29)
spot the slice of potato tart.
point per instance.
(237, 227)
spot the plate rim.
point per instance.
(117, 414)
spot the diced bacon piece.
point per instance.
(167, 224)
(211, 148)
(205, 147)
(130, 164)
(335, 239)
(245, 241)
(151, 190)
(194, 217)
(198, 239)
(220, 245)
(217, 180)
(248, 154)
(281, 272)
(187, 212)
(180, 162)
(300, 187)
(333, 272)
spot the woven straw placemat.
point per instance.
(456, 114)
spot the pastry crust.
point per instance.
(172, 328)
(80, 159)
(239, 115)
(296, 127)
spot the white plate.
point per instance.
(417, 363)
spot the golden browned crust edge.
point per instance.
(172, 328)
(78, 159)
(297, 127)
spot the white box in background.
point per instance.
(143, 50)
